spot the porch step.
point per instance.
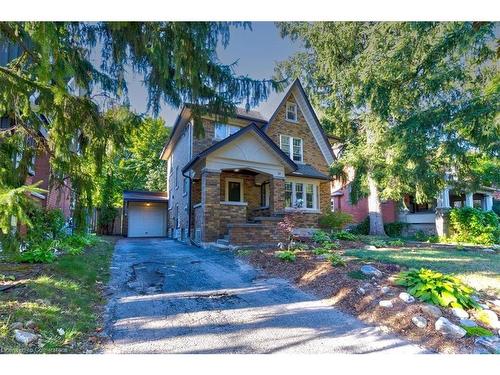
(258, 219)
(223, 241)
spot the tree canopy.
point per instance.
(412, 102)
(51, 85)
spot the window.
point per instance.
(234, 190)
(301, 195)
(222, 131)
(185, 186)
(177, 219)
(292, 147)
(291, 111)
(264, 194)
(176, 177)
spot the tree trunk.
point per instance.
(375, 209)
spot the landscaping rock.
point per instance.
(488, 250)
(361, 291)
(385, 289)
(60, 332)
(30, 324)
(495, 302)
(432, 310)
(488, 317)
(449, 329)
(459, 313)
(491, 344)
(371, 271)
(406, 297)
(419, 321)
(370, 247)
(484, 306)
(385, 303)
(16, 325)
(468, 323)
(25, 337)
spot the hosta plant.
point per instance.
(286, 255)
(346, 236)
(320, 236)
(321, 251)
(336, 260)
(437, 288)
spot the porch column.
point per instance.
(210, 202)
(277, 198)
(469, 200)
(443, 213)
(488, 202)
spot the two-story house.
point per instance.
(235, 184)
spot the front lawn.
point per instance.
(63, 300)
(476, 268)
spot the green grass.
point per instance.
(477, 269)
(65, 295)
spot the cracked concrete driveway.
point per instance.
(167, 297)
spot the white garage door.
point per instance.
(147, 219)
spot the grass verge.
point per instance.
(63, 299)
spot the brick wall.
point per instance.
(359, 211)
(312, 152)
(210, 200)
(254, 234)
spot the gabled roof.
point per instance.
(185, 114)
(250, 128)
(327, 147)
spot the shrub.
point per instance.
(477, 331)
(397, 242)
(320, 236)
(334, 220)
(331, 245)
(437, 288)
(55, 222)
(336, 260)
(362, 228)
(298, 246)
(378, 243)
(43, 252)
(346, 236)
(475, 226)
(321, 251)
(286, 255)
(421, 236)
(394, 229)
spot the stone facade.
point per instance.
(253, 234)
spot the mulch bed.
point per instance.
(317, 276)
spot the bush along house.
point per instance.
(234, 185)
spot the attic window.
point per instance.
(291, 111)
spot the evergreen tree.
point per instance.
(411, 102)
(38, 87)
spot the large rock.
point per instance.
(432, 310)
(459, 313)
(491, 344)
(488, 317)
(419, 321)
(449, 329)
(25, 337)
(385, 303)
(468, 323)
(406, 297)
(371, 271)
(16, 325)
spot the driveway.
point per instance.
(167, 297)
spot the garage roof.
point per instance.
(144, 196)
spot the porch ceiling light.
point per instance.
(236, 170)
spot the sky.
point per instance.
(256, 52)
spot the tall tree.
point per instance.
(411, 102)
(177, 60)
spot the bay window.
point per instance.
(301, 195)
(292, 147)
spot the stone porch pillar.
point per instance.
(469, 200)
(277, 195)
(210, 204)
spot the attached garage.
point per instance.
(145, 214)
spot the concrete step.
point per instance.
(224, 242)
(226, 237)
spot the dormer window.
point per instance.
(291, 111)
(222, 131)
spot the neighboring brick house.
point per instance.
(234, 184)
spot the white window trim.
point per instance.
(316, 201)
(226, 192)
(290, 146)
(288, 103)
(228, 130)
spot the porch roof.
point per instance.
(250, 128)
(144, 196)
(307, 170)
